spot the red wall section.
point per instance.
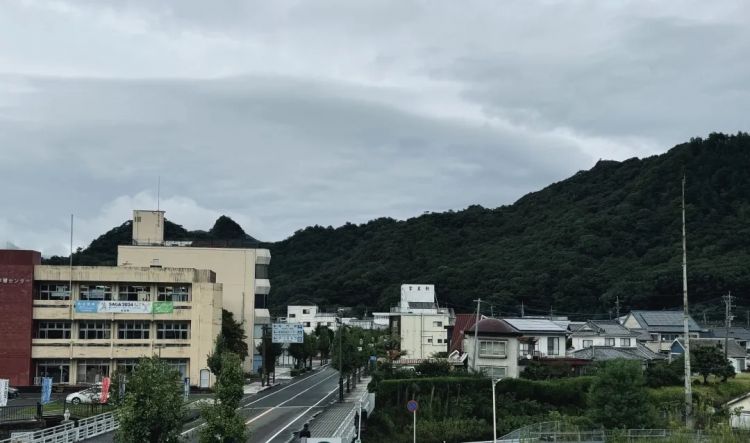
(16, 304)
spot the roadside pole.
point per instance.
(494, 411)
(412, 407)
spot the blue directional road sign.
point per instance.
(412, 406)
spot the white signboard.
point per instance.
(4, 383)
(125, 307)
(288, 333)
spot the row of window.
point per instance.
(102, 329)
(107, 291)
(93, 370)
(625, 342)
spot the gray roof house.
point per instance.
(602, 333)
(739, 334)
(541, 337)
(659, 329)
(604, 353)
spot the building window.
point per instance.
(495, 371)
(127, 365)
(53, 329)
(306, 324)
(429, 340)
(134, 293)
(588, 343)
(52, 291)
(492, 348)
(553, 346)
(625, 342)
(437, 324)
(440, 340)
(93, 330)
(173, 330)
(292, 315)
(669, 337)
(133, 330)
(95, 291)
(179, 293)
(305, 311)
(261, 271)
(180, 365)
(92, 371)
(260, 301)
(58, 370)
(609, 341)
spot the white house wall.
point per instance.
(421, 337)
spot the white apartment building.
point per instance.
(420, 323)
(243, 272)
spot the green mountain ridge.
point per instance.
(574, 247)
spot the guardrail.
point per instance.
(69, 432)
(32, 412)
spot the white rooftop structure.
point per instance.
(417, 298)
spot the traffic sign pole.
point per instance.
(412, 407)
(415, 425)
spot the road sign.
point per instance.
(288, 333)
(412, 406)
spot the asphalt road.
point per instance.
(274, 415)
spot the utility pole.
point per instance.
(685, 316)
(265, 358)
(476, 336)
(727, 321)
(617, 308)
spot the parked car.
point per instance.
(90, 395)
(13, 392)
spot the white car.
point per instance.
(90, 395)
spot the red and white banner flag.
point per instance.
(105, 390)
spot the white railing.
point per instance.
(68, 432)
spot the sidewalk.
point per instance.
(338, 420)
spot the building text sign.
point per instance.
(123, 307)
(288, 333)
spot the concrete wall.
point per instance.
(419, 334)
(148, 227)
(510, 361)
(16, 325)
(234, 268)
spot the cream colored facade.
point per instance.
(148, 227)
(89, 345)
(235, 269)
(422, 335)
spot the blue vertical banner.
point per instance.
(46, 390)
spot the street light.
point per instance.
(494, 411)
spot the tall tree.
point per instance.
(221, 417)
(618, 397)
(269, 352)
(324, 344)
(234, 336)
(152, 410)
(709, 360)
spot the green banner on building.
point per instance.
(163, 307)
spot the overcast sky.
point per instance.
(287, 114)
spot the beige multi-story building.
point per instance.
(243, 272)
(115, 315)
(420, 323)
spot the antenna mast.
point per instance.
(688, 385)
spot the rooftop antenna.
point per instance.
(158, 193)
(688, 385)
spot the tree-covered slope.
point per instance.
(611, 232)
(575, 246)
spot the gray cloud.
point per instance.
(283, 115)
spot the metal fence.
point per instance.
(22, 413)
(69, 432)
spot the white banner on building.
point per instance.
(125, 307)
(288, 333)
(4, 383)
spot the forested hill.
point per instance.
(612, 231)
(574, 247)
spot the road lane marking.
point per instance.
(290, 399)
(265, 397)
(301, 415)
